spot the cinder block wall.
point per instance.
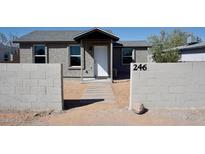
(36, 87)
(166, 85)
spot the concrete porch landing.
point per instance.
(99, 91)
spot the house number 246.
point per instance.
(140, 67)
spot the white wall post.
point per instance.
(131, 71)
(81, 59)
(111, 61)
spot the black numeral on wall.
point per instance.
(140, 67)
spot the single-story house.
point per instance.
(7, 53)
(193, 50)
(94, 53)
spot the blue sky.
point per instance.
(125, 33)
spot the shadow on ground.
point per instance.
(122, 75)
(69, 104)
(145, 111)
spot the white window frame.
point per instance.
(126, 56)
(73, 66)
(34, 54)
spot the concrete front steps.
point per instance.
(101, 92)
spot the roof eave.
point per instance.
(42, 41)
(132, 46)
(199, 47)
(77, 37)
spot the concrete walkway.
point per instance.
(99, 92)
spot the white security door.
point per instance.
(101, 61)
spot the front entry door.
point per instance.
(101, 61)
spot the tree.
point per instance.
(8, 40)
(11, 38)
(168, 56)
(164, 45)
(3, 39)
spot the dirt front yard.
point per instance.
(73, 89)
(104, 113)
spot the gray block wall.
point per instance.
(166, 85)
(35, 87)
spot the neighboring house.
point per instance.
(95, 53)
(7, 53)
(194, 50)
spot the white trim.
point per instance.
(39, 55)
(95, 64)
(111, 61)
(130, 101)
(69, 56)
(126, 64)
(81, 60)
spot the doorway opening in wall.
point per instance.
(101, 62)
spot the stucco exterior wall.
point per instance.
(88, 61)
(59, 53)
(139, 55)
(26, 54)
(89, 56)
(122, 70)
(193, 55)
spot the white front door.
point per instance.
(101, 61)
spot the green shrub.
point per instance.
(166, 57)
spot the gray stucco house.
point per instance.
(95, 53)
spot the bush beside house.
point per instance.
(163, 45)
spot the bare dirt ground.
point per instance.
(73, 89)
(115, 113)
